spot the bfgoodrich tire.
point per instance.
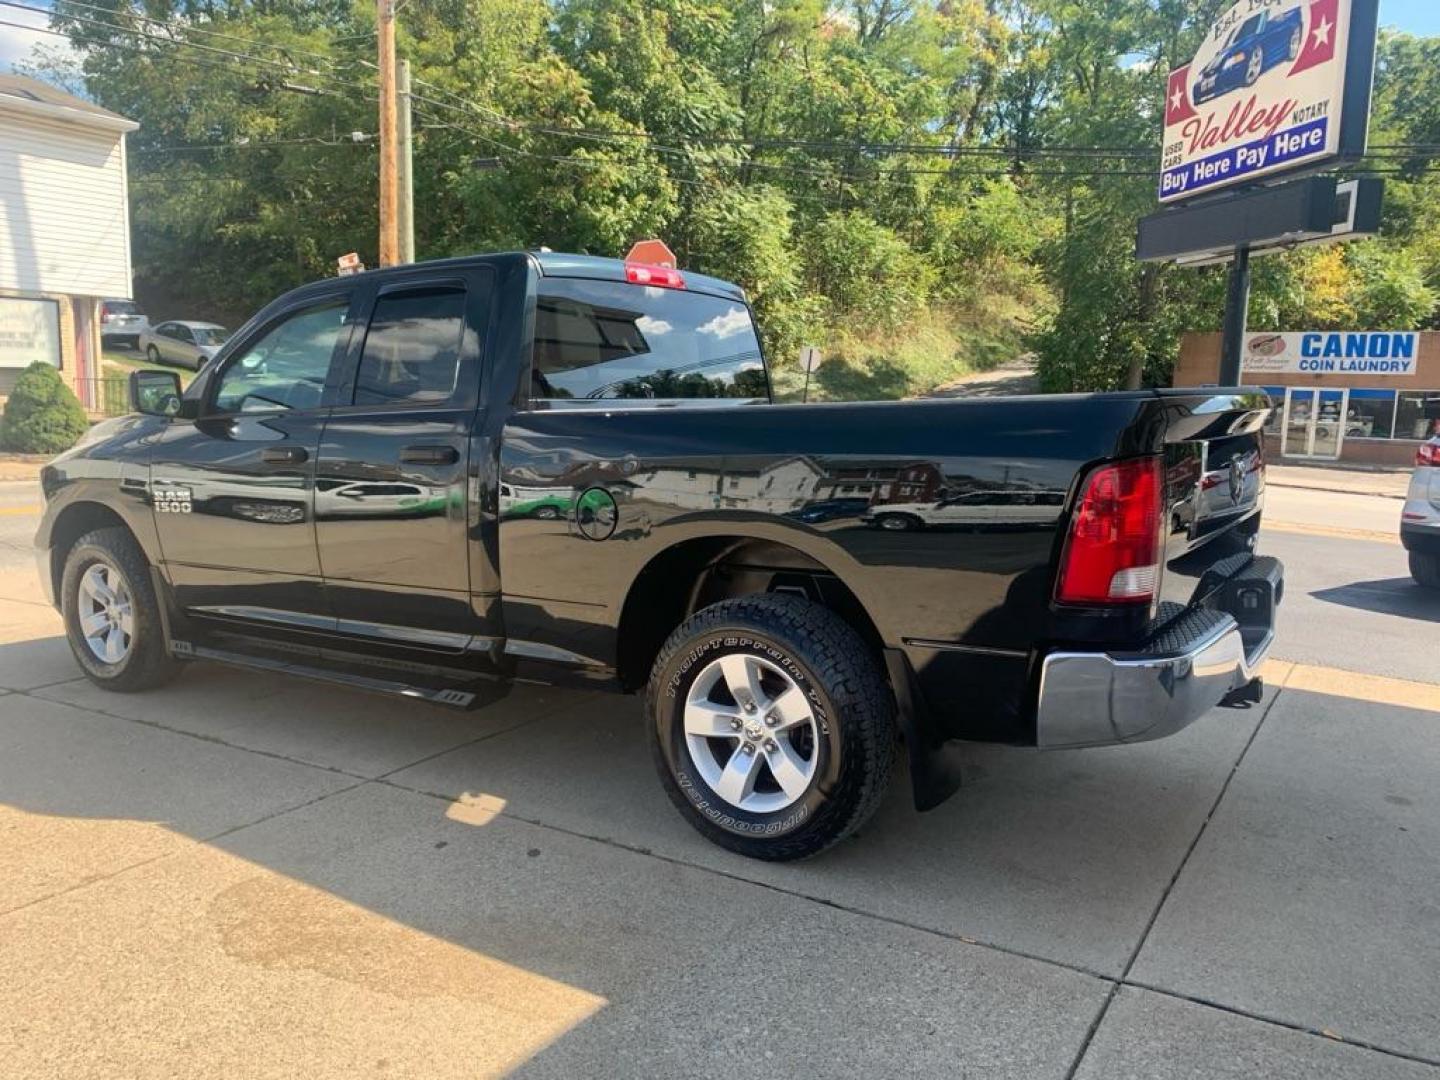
(1425, 569)
(771, 725)
(112, 617)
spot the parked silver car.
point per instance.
(183, 342)
(122, 323)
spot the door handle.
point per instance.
(429, 455)
(283, 455)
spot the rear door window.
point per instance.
(413, 347)
(610, 340)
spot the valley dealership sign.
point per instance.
(1322, 353)
(1277, 85)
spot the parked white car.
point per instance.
(183, 342)
(122, 323)
(1420, 520)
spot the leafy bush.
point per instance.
(743, 235)
(865, 270)
(42, 415)
(989, 240)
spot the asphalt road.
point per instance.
(245, 877)
(19, 516)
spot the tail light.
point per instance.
(661, 276)
(1113, 551)
(1428, 455)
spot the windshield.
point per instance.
(1249, 28)
(210, 335)
(121, 307)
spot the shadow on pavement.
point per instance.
(1390, 596)
(260, 876)
(182, 898)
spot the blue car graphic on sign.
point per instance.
(1258, 44)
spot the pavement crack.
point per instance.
(835, 905)
(1289, 1025)
(213, 739)
(1165, 893)
(545, 714)
(206, 840)
(87, 883)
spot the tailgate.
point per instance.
(1214, 494)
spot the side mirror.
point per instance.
(155, 393)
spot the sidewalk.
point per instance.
(1390, 484)
(21, 466)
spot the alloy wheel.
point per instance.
(106, 613)
(751, 733)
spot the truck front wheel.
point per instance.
(771, 725)
(112, 616)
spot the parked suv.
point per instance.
(440, 479)
(1420, 520)
(122, 322)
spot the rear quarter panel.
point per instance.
(967, 602)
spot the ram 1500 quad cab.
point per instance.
(335, 495)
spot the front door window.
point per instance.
(286, 368)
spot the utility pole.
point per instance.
(406, 219)
(385, 36)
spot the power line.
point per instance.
(261, 144)
(615, 137)
(484, 114)
(289, 67)
(177, 59)
(1087, 172)
(61, 11)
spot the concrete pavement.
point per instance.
(252, 876)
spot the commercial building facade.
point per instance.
(1367, 398)
(64, 231)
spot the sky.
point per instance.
(1414, 16)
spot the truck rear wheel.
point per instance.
(771, 725)
(112, 616)
(1425, 569)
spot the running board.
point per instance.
(451, 696)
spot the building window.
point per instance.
(1370, 414)
(1416, 415)
(29, 331)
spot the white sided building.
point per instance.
(64, 230)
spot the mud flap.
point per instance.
(934, 761)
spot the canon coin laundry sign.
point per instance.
(1321, 353)
(1267, 92)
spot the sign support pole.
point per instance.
(1237, 308)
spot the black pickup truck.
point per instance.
(442, 479)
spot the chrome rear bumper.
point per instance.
(1100, 699)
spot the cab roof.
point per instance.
(549, 263)
(557, 264)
